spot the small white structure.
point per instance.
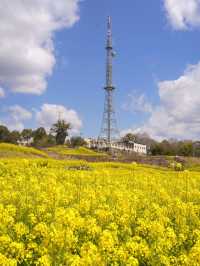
(25, 142)
(131, 147)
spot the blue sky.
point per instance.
(154, 48)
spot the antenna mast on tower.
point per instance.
(109, 131)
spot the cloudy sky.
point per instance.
(52, 64)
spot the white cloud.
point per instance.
(137, 103)
(27, 50)
(2, 93)
(183, 14)
(18, 112)
(50, 113)
(178, 115)
(15, 116)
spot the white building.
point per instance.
(25, 142)
(131, 147)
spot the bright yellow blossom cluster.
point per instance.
(77, 213)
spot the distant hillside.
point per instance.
(11, 150)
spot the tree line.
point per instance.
(40, 137)
(60, 130)
(170, 147)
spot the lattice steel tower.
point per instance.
(109, 131)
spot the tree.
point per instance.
(40, 137)
(27, 134)
(4, 134)
(77, 142)
(51, 140)
(185, 148)
(156, 149)
(196, 149)
(60, 129)
(145, 139)
(128, 138)
(14, 136)
(166, 148)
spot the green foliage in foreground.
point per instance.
(64, 150)
(77, 213)
(11, 150)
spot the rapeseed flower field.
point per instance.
(64, 150)
(11, 150)
(76, 213)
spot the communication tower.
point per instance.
(109, 131)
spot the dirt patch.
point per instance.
(163, 161)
